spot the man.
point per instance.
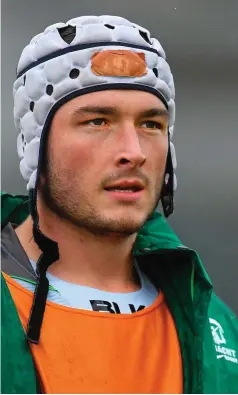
(107, 297)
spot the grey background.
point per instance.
(200, 39)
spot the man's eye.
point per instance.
(96, 122)
(152, 125)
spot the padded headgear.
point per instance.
(59, 64)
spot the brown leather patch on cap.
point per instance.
(119, 63)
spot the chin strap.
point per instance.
(167, 192)
(50, 254)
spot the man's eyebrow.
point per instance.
(95, 110)
(105, 110)
(155, 112)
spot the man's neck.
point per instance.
(103, 262)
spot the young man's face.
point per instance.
(98, 144)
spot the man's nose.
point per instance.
(129, 153)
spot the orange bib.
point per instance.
(89, 352)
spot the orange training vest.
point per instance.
(90, 352)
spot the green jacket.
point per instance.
(207, 329)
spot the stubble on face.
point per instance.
(62, 194)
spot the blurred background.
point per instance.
(200, 39)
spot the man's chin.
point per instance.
(119, 228)
(124, 224)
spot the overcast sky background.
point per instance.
(200, 39)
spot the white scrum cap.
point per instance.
(101, 52)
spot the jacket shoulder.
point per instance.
(221, 313)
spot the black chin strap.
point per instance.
(167, 193)
(50, 254)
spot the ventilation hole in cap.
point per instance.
(155, 71)
(22, 137)
(109, 26)
(67, 33)
(145, 36)
(32, 105)
(49, 90)
(74, 73)
(24, 80)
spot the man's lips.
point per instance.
(126, 190)
(131, 185)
